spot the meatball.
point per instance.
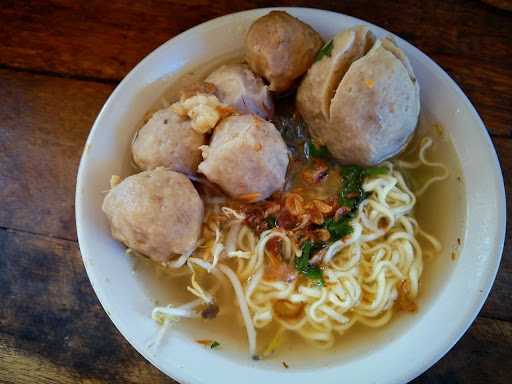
(368, 109)
(281, 48)
(237, 86)
(319, 85)
(168, 140)
(375, 108)
(157, 213)
(246, 157)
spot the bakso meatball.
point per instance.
(237, 86)
(372, 112)
(168, 140)
(281, 48)
(157, 213)
(319, 85)
(246, 157)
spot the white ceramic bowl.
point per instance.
(413, 347)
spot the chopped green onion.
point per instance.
(214, 345)
(326, 50)
(350, 196)
(351, 193)
(338, 228)
(271, 222)
(375, 171)
(302, 265)
(313, 151)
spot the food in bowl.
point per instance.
(155, 212)
(296, 237)
(361, 98)
(236, 85)
(281, 48)
(247, 158)
(168, 140)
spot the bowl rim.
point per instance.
(491, 271)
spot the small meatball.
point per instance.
(237, 86)
(376, 107)
(168, 140)
(281, 48)
(157, 213)
(246, 157)
(319, 85)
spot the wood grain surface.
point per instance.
(59, 61)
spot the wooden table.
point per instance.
(60, 60)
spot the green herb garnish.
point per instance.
(351, 193)
(271, 222)
(313, 151)
(350, 196)
(375, 171)
(302, 265)
(215, 344)
(338, 228)
(326, 50)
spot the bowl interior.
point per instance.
(474, 212)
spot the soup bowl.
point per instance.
(453, 295)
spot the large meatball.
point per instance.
(370, 110)
(246, 157)
(281, 48)
(168, 140)
(237, 86)
(157, 213)
(319, 85)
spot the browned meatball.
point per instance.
(246, 156)
(168, 140)
(157, 213)
(237, 86)
(281, 48)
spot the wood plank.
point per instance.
(483, 355)
(20, 367)
(489, 88)
(45, 122)
(53, 329)
(105, 40)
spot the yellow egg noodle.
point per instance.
(364, 273)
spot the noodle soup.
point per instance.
(276, 218)
(408, 344)
(438, 211)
